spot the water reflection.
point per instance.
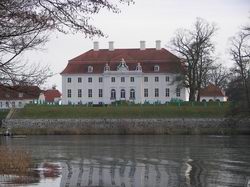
(143, 161)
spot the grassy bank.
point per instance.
(171, 110)
(3, 114)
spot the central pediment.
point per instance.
(122, 66)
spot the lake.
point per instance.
(134, 161)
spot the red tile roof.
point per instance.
(50, 95)
(212, 91)
(19, 92)
(147, 58)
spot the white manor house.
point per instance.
(142, 75)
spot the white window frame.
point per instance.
(69, 93)
(145, 92)
(90, 93)
(79, 93)
(90, 69)
(69, 80)
(167, 92)
(156, 68)
(156, 92)
(100, 93)
(79, 80)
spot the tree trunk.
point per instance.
(198, 95)
(192, 93)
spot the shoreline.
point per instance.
(126, 126)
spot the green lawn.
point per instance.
(173, 110)
(3, 113)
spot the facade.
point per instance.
(52, 96)
(143, 75)
(18, 96)
(212, 93)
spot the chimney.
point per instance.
(142, 45)
(96, 46)
(158, 44)
(111, 46)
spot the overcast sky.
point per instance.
(147, 20)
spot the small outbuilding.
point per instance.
(212, 93)
(51, 96)
(18, 96)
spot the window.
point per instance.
(156, 92)
(7, 104)
(145, 79)
(178, 92)
(100, 92)
(1, 105)
(90, 79)
(112, 79)
(89, 92)
(79, 79)
(156, 68)
(132, 94)
(167, 78)
(167, 92)
(20, 94)
(13, 104)
(123, 94)
(100, 79)
(113, 94)
(69, 79)
(156, 79)
(132, 79)
(69, 93)
(90, 69)
(122, 79)
(145, 92)
(79, 93)
(19, 104)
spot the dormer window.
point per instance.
(90, 69)
(138, 67)
(156, 68)
(20, 94)
(107, 68)
(7, 95)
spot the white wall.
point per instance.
(107, 85)
(14, 103)
(213, 98)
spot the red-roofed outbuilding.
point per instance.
(212, 93)
(50, 96)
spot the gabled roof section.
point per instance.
(212, 91)
(19, 92)
(51, 94)
(149, 57)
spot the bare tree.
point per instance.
(240, 52)
(196, 48)
(26, 25)
(218, 75)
